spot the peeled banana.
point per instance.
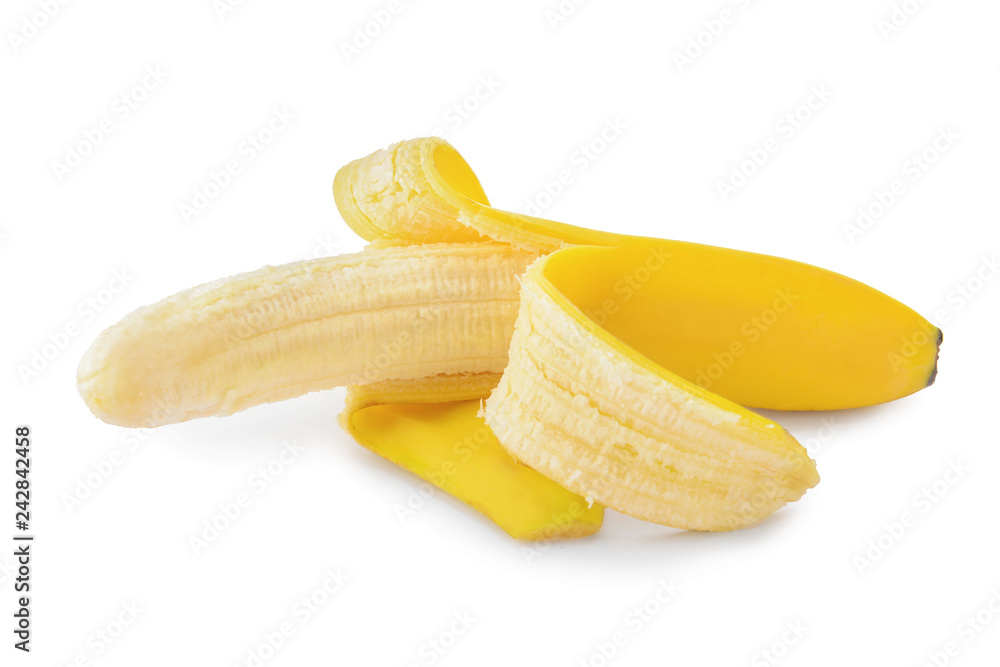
(615, 367)
(381, 314)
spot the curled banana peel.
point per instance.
(423, 191)
(616, 370)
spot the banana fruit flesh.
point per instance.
(423, 191)
(384, 313)
(615, 369)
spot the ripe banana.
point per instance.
(388, 313)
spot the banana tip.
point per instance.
(937, 356)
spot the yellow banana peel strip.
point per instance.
(422, 425)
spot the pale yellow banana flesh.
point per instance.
(268, 335)
(423, 191)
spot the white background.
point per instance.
(555, 86)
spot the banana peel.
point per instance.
(763, 331)
(695, 329)
(423, 426)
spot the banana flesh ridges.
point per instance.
(423, 191)
(390, 313)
